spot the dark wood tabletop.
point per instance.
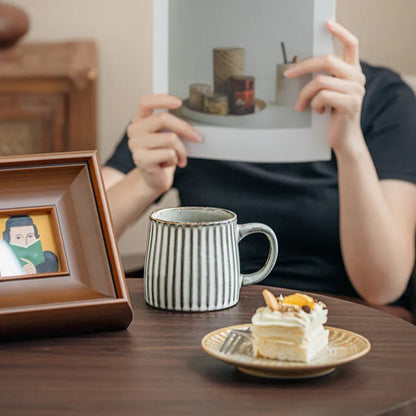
(157, 367)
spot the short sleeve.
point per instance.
(121, 159)
(389, 118)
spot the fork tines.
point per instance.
(234, 339)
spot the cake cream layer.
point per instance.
(304, 352)
(296, 318)
(287, 334)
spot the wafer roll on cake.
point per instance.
(289, 328)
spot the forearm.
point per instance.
(377, 256)
(128, 199)
(377, 219)
(156, 146)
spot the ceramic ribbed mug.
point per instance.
(192, 261)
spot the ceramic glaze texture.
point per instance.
(192, 262)
(192, 268)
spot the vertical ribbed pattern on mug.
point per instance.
(211, 271)
(170, 289)
(191, 268)
(219, 260)
(148, 263)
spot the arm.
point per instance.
(156, 146)
(377, 226)
(377, 218)
(128, 197)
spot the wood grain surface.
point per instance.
(48, 93)
(157, 367)
(91, 294)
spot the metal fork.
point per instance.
(234, 339)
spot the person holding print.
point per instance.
(22, 236)
(345, 226)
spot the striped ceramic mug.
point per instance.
(192, 260)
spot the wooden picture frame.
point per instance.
(89, 291)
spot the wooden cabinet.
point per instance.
(48, 98)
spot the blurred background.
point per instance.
(94, 58)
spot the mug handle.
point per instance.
(246, 229)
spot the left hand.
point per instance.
(343, 90)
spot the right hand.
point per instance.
(155, 141)
(29, 267)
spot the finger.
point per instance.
(348, 40)
(149, 103)
(29, 269)
(330, 63)
(165, 121)
(149, 160)
(27, 261)
(161, 141)
(323, 82)
(347, 104)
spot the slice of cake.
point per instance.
(289, 328)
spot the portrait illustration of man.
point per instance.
(22, 237)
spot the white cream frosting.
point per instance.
(264, 316)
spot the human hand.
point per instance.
(155, 140)
(29, 267)
(343, 90)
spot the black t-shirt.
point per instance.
(300, 200)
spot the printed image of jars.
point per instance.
(196, 95)
(215, 103)
(228, 62)
(241, 95)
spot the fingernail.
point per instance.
(196, 136)
(289, 72)
(332, 24)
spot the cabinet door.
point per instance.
(31, 123)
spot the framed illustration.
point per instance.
(226, 61)
(60, 270)
(31, 244)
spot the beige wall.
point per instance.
(386, 29)
(122, 29)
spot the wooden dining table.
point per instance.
(157, 367)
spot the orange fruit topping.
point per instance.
(299, 299)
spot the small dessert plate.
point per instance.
(343, 347)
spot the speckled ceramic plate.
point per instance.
(229, 120)
(343, 346)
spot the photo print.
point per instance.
(226, 59)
